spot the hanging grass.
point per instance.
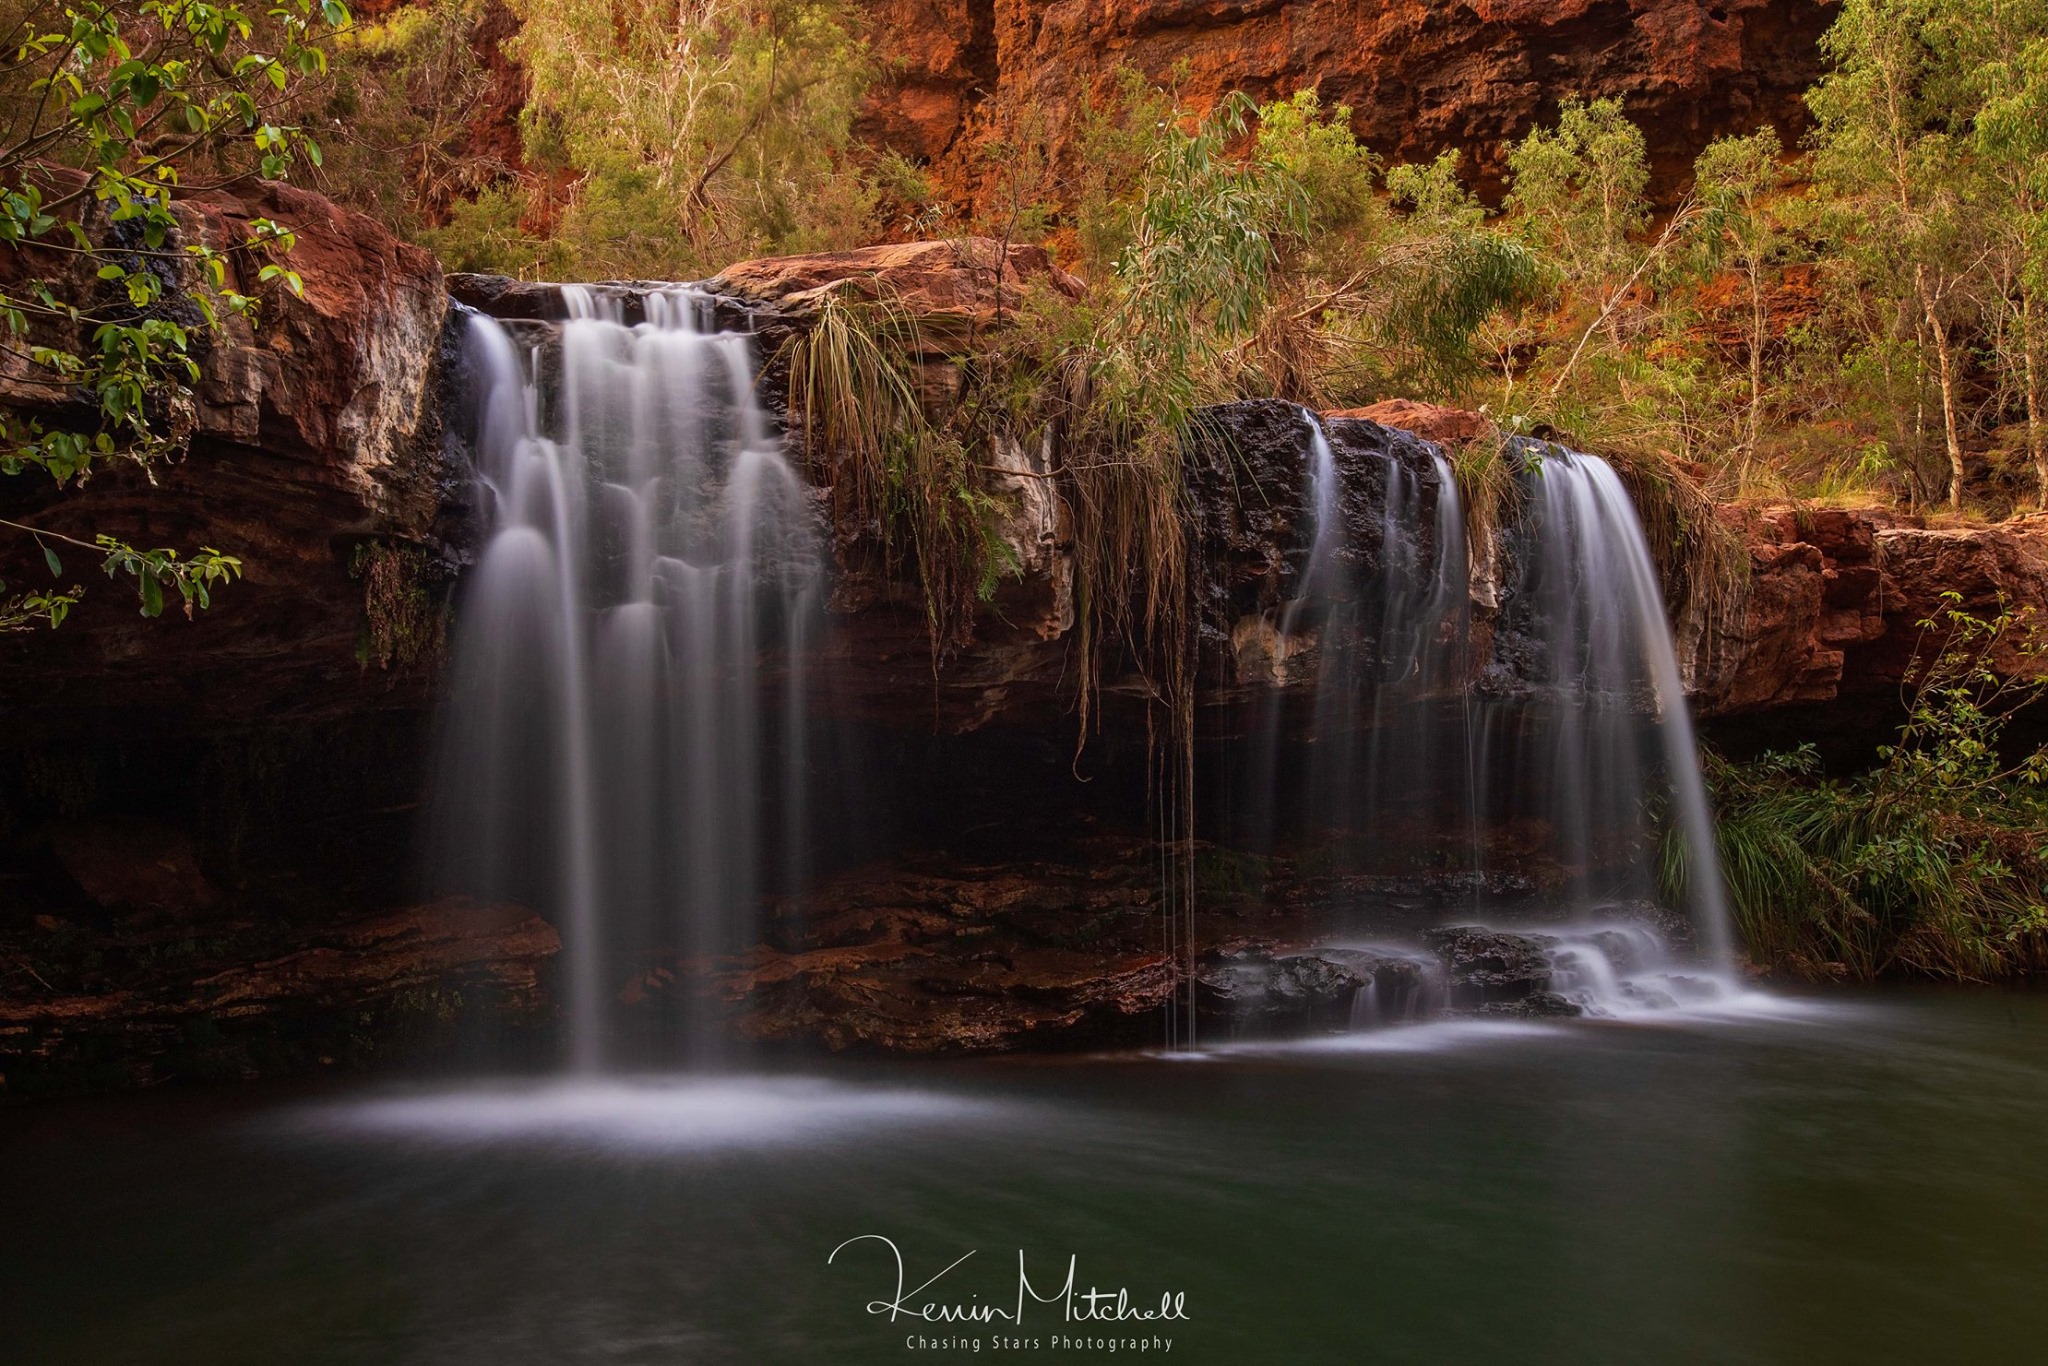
(909, 478)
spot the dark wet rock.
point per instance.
(1253, 992)
(1247, 470)
(1537, 1005)
(85, 1009)
(133, 866)
(1489, 966)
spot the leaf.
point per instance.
(50, 558)
(152, 595)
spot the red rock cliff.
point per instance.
(1420, 75)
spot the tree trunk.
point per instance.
(1759, 323)
(2030, 345)
(1949, 425)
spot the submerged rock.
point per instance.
(1536, 1005)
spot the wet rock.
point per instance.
(1537, 1005)
(133, 865)
(506, 298)
(1253, 992)
(243, 999)
(1247, 474)
(942, 955)
(1485, 966)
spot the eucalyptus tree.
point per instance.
(2000, 57)
(691, 133)
(1893, 165)
(1738, 181)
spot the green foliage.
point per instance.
(1886, 155)
(1581, 191)
(694, 134)
(910, 473)
(401, 118)
(110, 110)
(1933, 863)
(1742, 228)
(156, 573)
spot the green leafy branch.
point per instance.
(157, 574)
(115, 105)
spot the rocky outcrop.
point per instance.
(1419, 75)
(1448, 427)
(148, 1000)
(1833, 606)
(951, 955)
(954, 291)
(935, 954)
(191, 806)
(313, 457)
(186, 823)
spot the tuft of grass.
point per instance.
(908, 476)
(1703, 562)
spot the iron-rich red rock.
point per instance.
(240, 998)
(314, 443)
(1419, 75)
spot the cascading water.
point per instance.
(1390, 624)
(1394, 641)
(613, 751)
(1571, 736)
(1584, 722)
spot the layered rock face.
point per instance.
(1834, 602)
(1419, 75)
(195, 801)
(314, 457)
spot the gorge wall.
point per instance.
(1419, 75)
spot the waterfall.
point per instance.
(1571, 733)
(1392, 644)
(613, 751)
(1584, 717)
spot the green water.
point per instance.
(1860, 1180)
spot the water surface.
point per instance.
(1849, 1180)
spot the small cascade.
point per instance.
(1621, 971)
(612, 751)
(1408, 987)
(1561, 756)
(1583, 724)
(1389, 620)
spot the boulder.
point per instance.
(1488, 967)
(1430, 421)
(954, 291)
